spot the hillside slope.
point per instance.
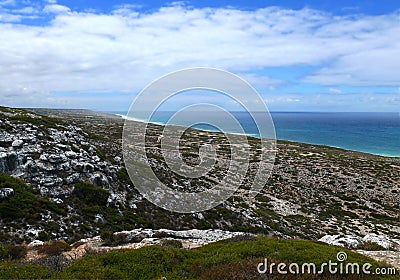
(314, 190)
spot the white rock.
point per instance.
(17, 143)
(91, 150)
(43, 157)
(96, 158)
(70, 154)
(36, 243)
(57, 158)
(6, 193)
(381, 240)
(62, 146)
(87, 168)
(347, 241)
(200, 216)
(98, 218)
(57, 200)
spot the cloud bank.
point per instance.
(120, 52)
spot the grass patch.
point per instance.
(220, 260)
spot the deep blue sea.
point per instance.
(375, 133)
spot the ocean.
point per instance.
(374, 133)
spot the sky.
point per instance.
(341, 56)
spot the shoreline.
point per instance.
(124, 117)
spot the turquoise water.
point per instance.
(375, 133)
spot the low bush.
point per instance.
(123, 176)
(90, 194)
(53, 248)
(16, 252)
(370, 246)
(3, 252)
(107, 237)
(171, 243)
(43, 236)
(239, 238)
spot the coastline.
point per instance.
(292, 141)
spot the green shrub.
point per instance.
(90, 194)
(3, 252)
(53, 248)
(123, 176)
(107, 237)
(239, 238)
(370, 246)
(43, 236)
(16, 252)
(111, 239)
(171, 243)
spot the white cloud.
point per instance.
(335, 90)
(8, 3)
(126, 9)
(26, 10)
(7, 17)
(56, 9)
(260, 82)
(125, 50)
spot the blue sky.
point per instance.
(300, 55)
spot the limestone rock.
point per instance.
(17, 143)
(6, 193)
(36, 243)
(347, 241)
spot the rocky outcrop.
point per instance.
(353, 242)
(347, 241)
(142, 237)
(50, 158)
(388, 252)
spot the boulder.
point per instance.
(6, 193)
(43, 157)
(347, 241)
(57, 158)
(72, 179)
(99, 180)
(78, 166)
(70, 154)
(36, 243)
(88, 168)
(17, 143)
